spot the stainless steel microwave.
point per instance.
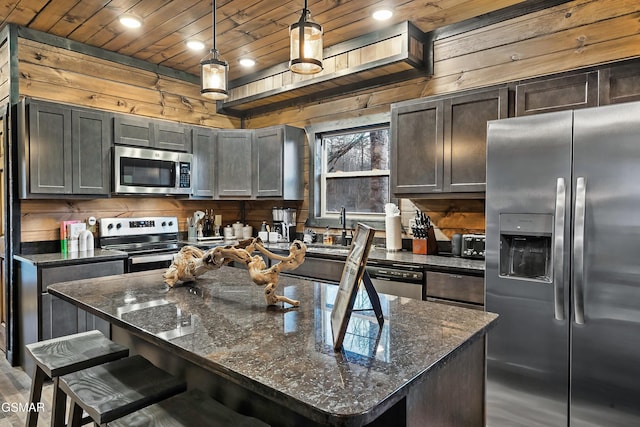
(149, 171)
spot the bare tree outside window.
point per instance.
(356, 171)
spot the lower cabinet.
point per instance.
(44, 316)
(60, 318)
(455, 288)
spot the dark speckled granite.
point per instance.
(223, 324)
(71, 258)
(380, 255)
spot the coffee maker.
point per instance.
(284, 223)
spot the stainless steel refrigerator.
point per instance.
(563, 268)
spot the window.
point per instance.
(354, 172)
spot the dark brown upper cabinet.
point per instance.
(465, 138)
(417, 148)
(439, 145)
(557, 94)
(619, 84)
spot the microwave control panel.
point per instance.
(185, 175)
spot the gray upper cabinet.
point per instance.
(204, 166)
(49, 149)
(417, 148)
(91, 144)
(557, 94)
(132, 130)
(278, 153)
(67, 151)
(234, 177)
(150, 133)
(172, 136)
(439, 145)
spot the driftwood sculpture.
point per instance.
(191, 262)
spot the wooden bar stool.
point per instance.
(193, 408)
(115, 389)
(64, 355)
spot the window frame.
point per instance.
(316, 208)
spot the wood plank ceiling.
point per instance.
(245, 28)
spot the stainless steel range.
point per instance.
(150, 242)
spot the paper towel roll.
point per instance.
(393, 233)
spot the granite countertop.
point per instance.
(70, 258)
(376, 254)
(380, 255)
(222, 324)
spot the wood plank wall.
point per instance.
(41, 218)
(574, 35)
(4, 72)
(57, 74)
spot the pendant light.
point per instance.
(305, 45)
(214, 70)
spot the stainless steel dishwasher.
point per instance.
(403, 280)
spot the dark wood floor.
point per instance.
(14, 389)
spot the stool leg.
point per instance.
(59, 405)
(75, 416)
(34, 395)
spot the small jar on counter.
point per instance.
(327, 238)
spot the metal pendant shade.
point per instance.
(305, 45)
(214, 71)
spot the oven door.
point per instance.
(149, 261)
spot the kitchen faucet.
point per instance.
(343, 221)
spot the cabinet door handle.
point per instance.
(558, 250)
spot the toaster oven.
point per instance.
(473, 246)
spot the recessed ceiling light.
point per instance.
(247, 62)
(195, 44)
(130, 21)
(382, 14)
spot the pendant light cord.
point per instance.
(213, 26)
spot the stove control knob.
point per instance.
(170, 223)
(109, 227)
(164, 224)
(118, 226)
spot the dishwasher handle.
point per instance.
(396, 274)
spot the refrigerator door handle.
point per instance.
(578, 251)
(558, 250)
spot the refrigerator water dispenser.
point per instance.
(525, 246)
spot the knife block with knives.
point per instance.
(424, 237)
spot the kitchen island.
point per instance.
(277, 363)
